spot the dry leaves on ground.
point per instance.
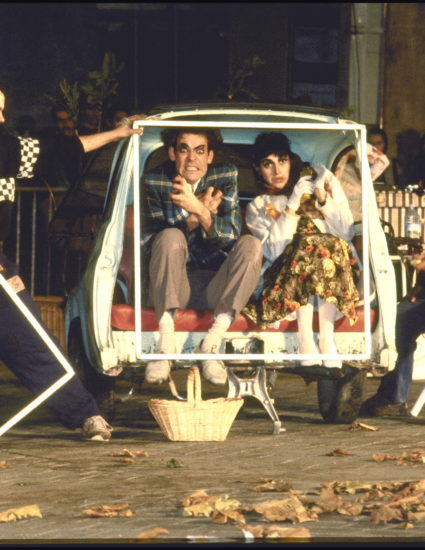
(220, 509)
(339, 452)
(357, 426)
(127, 452)
(275, 531)
(273, 485)
(400, 502)
(13, 514)
(416, 456)
(152, 533)
(287, 509)
(108, 511)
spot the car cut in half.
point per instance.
(110, 332)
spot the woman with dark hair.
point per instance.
(304, 225)
(377, 137)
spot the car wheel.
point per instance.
(340, 399)
(101, 386)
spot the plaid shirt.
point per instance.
(159, 212)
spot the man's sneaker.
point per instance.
(213, 370)
(96, 428)
(379, 406)
(157, 372)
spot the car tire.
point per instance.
(340, 399)
(101, 386)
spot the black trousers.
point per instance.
(27, 356)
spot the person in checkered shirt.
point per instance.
(21, 349)
(191, 241)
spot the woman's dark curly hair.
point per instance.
(276, 143)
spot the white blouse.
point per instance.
(275, 235)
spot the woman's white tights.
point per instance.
(306, 343)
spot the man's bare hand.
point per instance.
(418, 262)
(183, 196)
(413, 293)
(211, 199)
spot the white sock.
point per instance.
(327, 314)
(167, 342)
(216, 333)
(167, 319)
(327, 345)
(306, 341)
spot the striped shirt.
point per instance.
(159, 212)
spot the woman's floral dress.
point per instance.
(314, 263)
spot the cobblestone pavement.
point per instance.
(52, 467)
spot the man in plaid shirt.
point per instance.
(191, 224)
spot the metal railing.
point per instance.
(28, 240)
(392, 206)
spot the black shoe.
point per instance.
(379, 406)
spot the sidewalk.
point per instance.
(44, 464)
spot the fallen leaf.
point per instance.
(351, 487)
(108, 511)
(382, 457)
(356, 426)
(385, 514)
(416, 456)
(289, 509)
(339, 452)
(350, 509)
(197, 497)
(174, 463)
(4, 464)
(127, 452)
(415, 517)
(152, 533)
(225, 516)
(275, 531)
(272, 485)
(202, 509)
(328, 500)
(13, 514)
(209, 504)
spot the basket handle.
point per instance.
(194, 386)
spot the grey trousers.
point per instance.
(225, 291)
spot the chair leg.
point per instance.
(255, 387)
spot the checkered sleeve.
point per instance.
(30, 152)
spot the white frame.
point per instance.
(250, 125)
(69, 371)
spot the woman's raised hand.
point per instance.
(304, 186)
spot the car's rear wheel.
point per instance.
(101, 386)
(340, 399)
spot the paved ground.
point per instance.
(51, 467)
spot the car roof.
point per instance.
(252, 109)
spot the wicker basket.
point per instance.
(195, 419)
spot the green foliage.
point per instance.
(238, 75)
(103, 84)
(71, 95)
(100, 86)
